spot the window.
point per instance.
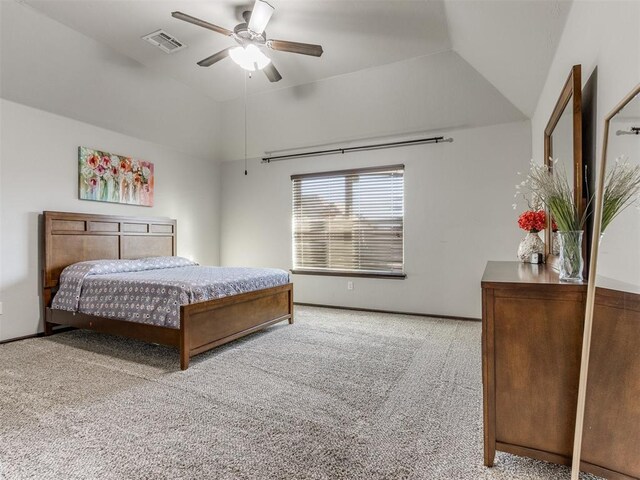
(349, 222)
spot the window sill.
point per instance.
(394, 276)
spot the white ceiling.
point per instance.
(354, 34)
(84, 59)
(53, 68)
(511, 43)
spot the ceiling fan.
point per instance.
(252, 41)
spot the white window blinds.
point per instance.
(349, 222)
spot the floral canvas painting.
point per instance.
(106, 177)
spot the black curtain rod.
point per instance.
(362, 148)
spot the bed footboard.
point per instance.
(206, 325)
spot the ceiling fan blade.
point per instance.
(260, 16)
(272, 73)
(295, 47)
(216, 57)
(201, 23)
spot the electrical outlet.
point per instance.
(349, 285)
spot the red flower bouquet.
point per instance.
(533, 221)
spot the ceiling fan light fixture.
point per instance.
(250, 57)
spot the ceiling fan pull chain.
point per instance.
(245, 122)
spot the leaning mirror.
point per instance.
(608, 418)
(620, 242)
(563, 143)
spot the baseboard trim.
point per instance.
(429, 315)
(35, 335)
(303, 304)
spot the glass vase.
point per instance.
(555, 243)
(571, 262)
(530, 244)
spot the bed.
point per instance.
(70, 238)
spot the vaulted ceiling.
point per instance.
(354, 35)
(510, 44)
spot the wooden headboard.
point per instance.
(76, 237)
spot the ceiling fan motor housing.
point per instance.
(244, 34)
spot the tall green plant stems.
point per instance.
(552, 189)
(622, 189)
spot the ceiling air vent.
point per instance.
(164, 41)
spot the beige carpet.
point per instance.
(337, 395)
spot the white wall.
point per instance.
(602, 34)
(606, 35)
(38, 161)
(458, 215)
(458, 196)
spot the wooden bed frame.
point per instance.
(76, 237)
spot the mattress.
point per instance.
(151, 290)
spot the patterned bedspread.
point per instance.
(151, 290)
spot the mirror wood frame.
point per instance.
(591, 288)
(571, 92)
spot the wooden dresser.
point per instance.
(531, 347)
